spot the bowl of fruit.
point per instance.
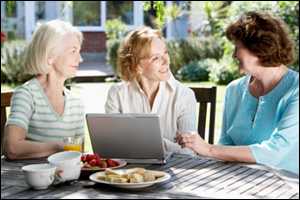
(91, 163)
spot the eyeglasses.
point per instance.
(158, 59)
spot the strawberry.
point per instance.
(112, 163)
(97, 157)
(90, 157)
(83, 158)
(103, 164)
(93, 162)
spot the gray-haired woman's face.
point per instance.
(68, 59)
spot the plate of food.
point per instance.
(92, 163)
(134, 178)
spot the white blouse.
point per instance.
(174, 103)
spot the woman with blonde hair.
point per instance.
(149, 87)
(261, 109)
(43, 111)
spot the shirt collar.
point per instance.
(171, 83)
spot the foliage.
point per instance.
(220, 14)
(163, 13)
(12, 62)
(10, 8)
(90, 18)
(122, 9)
(115, 30)
(216, 13)
(112, 53)
(194, 71)
(210, 41)
(183, 51)
(160, 9)
(223, 71)
(286, 10)
(289, 12)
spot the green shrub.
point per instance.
(176, 56)
(183, 51)
(223, 71)
(112, 53)
(12, 62)
(194, 71)
(115, 30)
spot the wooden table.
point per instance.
(191, 178)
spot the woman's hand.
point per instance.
(194, 142)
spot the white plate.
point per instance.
(93, 177)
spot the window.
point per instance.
(40, 14)
(11, 8)
(87, 13)
(122, 9)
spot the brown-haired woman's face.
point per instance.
(246, 60)
(156, 65)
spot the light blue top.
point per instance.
(269, 125)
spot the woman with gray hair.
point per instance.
(43, 111)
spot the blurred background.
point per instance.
(199, 52)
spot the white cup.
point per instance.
(39, 176)
(67, 164)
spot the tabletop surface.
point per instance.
(191, 177)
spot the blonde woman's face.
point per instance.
(156, 66)
(67, 62)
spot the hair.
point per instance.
(264, 36)
(136, 45)
(45, 42)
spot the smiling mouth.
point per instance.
(165, 71)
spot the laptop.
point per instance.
(136, 138)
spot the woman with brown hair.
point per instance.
(261, 109)
(149, 87)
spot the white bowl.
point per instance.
(39, 176)
(67, 164)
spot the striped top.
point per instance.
(32, 111)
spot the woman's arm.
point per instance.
(17, 147)
(232, 153)
(227, 153)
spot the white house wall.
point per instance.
(51, 10)
(29, 18)
(197, 16)
(20, 19)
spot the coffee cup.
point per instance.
(39, 176)
(67, 165)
